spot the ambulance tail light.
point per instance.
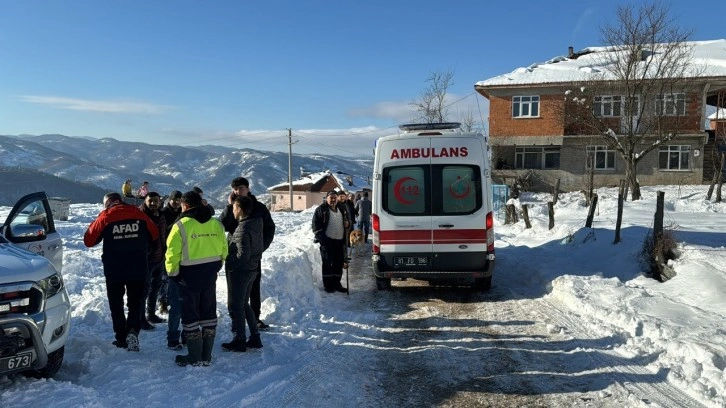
(376, 234)
(490, 232)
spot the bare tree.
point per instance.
(637, 101)
(431, 104)
(468, 121)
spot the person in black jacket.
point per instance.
(154, 278)
(330, 221)
(245, 253)
(241, 187)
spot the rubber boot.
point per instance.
(207, 344)
(194, 347)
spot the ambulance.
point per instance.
(432, 214)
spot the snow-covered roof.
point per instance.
(708, 60)
(718, 114)
(354, 184)
(350, 182)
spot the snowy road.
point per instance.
(570, 321)
(453, 347)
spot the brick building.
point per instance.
(532, 137)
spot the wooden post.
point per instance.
(591, 211)
(511, 214)
(619, 220)
(556, 191)
(658, 222)
(551, 211)
(525, 214)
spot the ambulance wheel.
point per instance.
(483, 284)
(383, 283)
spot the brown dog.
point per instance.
(356, 242)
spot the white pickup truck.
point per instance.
(35, 309)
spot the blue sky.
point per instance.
(240, 73)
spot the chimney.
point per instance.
(570, 52)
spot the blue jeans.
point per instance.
(365, 225)
(175, 311)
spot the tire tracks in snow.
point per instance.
(629, 372)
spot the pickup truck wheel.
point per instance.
(55, 359)
(383, 283)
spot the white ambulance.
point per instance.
(432, 210)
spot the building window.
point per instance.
(674, 157)
(614, 105)
(525, 106)
(607, 105)
(670, 104)
(537, 158)
(600, 157)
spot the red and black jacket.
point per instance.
(127, 234)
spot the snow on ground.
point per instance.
(678, 327)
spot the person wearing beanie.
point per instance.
(127, 234)
(204, 202)
(196, 250)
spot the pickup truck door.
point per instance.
(30, 225)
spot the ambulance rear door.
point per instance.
(405, 217)
(459, 210)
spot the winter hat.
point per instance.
(176, 194)
(332, 192)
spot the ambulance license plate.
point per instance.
(22, 360)
(410, 261)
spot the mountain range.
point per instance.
(83, 169)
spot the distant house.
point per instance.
(529, 136)
(310, 190)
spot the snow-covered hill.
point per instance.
(106, 163)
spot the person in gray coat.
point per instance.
(364, 208)
(245, 253)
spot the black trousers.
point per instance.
(199, 307)
(152, 287)
(239, 288)
(333, 257)
(255, 300)
(134, 291)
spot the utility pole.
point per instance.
(289, 166)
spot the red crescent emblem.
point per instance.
(397, 190)
(459, 196)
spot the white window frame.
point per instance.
(528, 103)
(683, 153)
(606, 154)
(673, 104)
(612, 106)
(607, 105)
